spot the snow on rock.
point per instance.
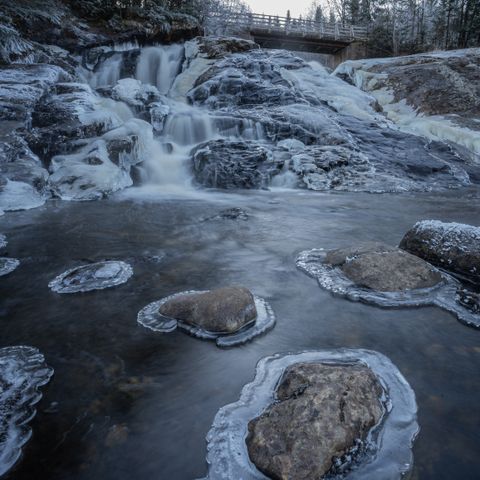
(436, 95)
(273, 96)
(452, 246)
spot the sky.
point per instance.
(280, 7)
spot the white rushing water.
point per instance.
(166, 153)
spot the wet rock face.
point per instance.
(323, 412)
(232, 164)
(452, 246)
(224, 310)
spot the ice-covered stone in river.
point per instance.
(346, 413)
(385, 276)
(22, 372)
(8, 265)
(452, 246)
(95, 276)
(322, 413)
(230, 315)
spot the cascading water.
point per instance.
(159, 66)
(166, 154)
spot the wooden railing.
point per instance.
(286, 26)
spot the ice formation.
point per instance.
(8, 265)
(95, 276)
(3, 241)
(390, 445)
(149, 317)
(22, 372)
(331, 278)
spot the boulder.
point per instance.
(452, 246)
(224, 310)
(383, 268)
(391, 272)
(323, 412)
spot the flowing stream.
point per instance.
(128, 402)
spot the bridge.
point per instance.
(288, 33)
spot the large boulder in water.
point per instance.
(384, 269)
(224, 310)
(323, 412)
(452, 246)
(233, 164)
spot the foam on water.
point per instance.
(334, 280)
(22, 372)
(95, 276)
(390, 444)
(150, 318)
(8, 265)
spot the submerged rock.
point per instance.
(224, 310)
(323, 412)
(234, 213)
(311, 414)
(8, 265)
(95, 276)
(22, 372)
(230, 316)
(452, 246)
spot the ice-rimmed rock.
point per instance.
(8, 265)
(322, 413)
(22, 372)
(452, 246)
(386, 277)
(230, 316)
(389, 432)
(95, 276)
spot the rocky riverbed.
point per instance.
(154, 182)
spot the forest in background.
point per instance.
(395, 26)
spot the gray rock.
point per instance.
(233, 164)
(224, 310)
(339, 256)
(452, 246)
(323, 412)
(391, 271)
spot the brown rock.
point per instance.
(224, 310)
(322, 412)
(391, 271)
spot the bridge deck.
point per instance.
(290, 33)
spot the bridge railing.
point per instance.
(285, 25)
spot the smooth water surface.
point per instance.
(126, 402)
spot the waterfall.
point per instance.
(167, 155)
(159, 66)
